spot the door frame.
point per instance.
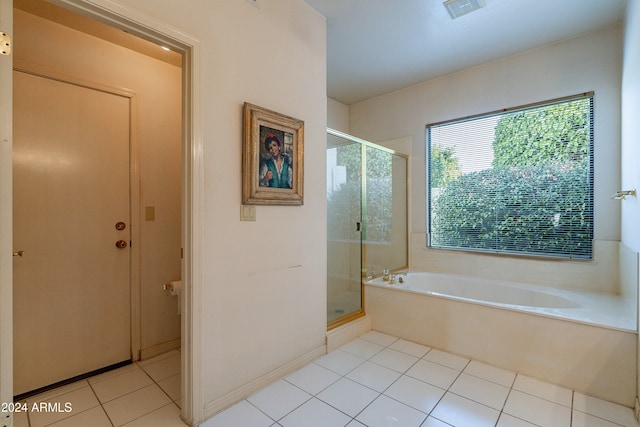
(149, 28)
(6, 218)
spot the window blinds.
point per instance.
(519, 181)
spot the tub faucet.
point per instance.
(385, 274)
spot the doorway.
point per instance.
(66, 94)
(191, 183)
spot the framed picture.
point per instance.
(272, 158)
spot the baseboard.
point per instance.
(156, 350)
(215, 406)
(345, 333)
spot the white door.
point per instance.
(71, 202)
(6, 244)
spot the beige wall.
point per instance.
(591, 62)
(158, 132)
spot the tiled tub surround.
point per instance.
(601, 274)
(594, 359)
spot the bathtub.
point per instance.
(585, 307)
(580, 340)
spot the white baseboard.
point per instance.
(156, 350)
(345, 333)
(221, 403)
(335, 338)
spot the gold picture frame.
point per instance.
(272, 158)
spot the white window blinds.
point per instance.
(519, 181)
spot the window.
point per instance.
(519, 181)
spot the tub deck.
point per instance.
(598, 309)
(590, 354)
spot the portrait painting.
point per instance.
(272, 158)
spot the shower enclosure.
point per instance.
(366, 220)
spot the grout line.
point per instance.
(393, 382)
(508, 394)
(157, 383)
(447, 390)
(100, 402)
(144, 415)
(363, 360)
(571, 408)
(267, 415)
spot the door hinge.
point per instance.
(5, 44)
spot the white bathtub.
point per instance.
(581, 340)
(586, 307)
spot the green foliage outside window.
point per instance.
(444, 166)
(537, 196)
(527, 210)
(344, 204)
(555, 134)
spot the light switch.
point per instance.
(247, 213)
(149, 213)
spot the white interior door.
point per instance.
(71, 188)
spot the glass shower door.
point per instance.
(385, 239)
(344, 216)
(366, 220)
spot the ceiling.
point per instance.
(97, 29)
(379, 46)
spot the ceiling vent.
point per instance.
(457, 8)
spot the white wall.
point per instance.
(337, 115)
(631, 127)
(588, 63)
(264, 282)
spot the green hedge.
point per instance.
(532, 210)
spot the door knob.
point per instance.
(121, 244)
(18, 253)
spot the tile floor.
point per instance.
(376, 381)
(380, 381)
(144, 394)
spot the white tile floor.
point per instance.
(376, 380)
(144, 394)
(380, 381)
